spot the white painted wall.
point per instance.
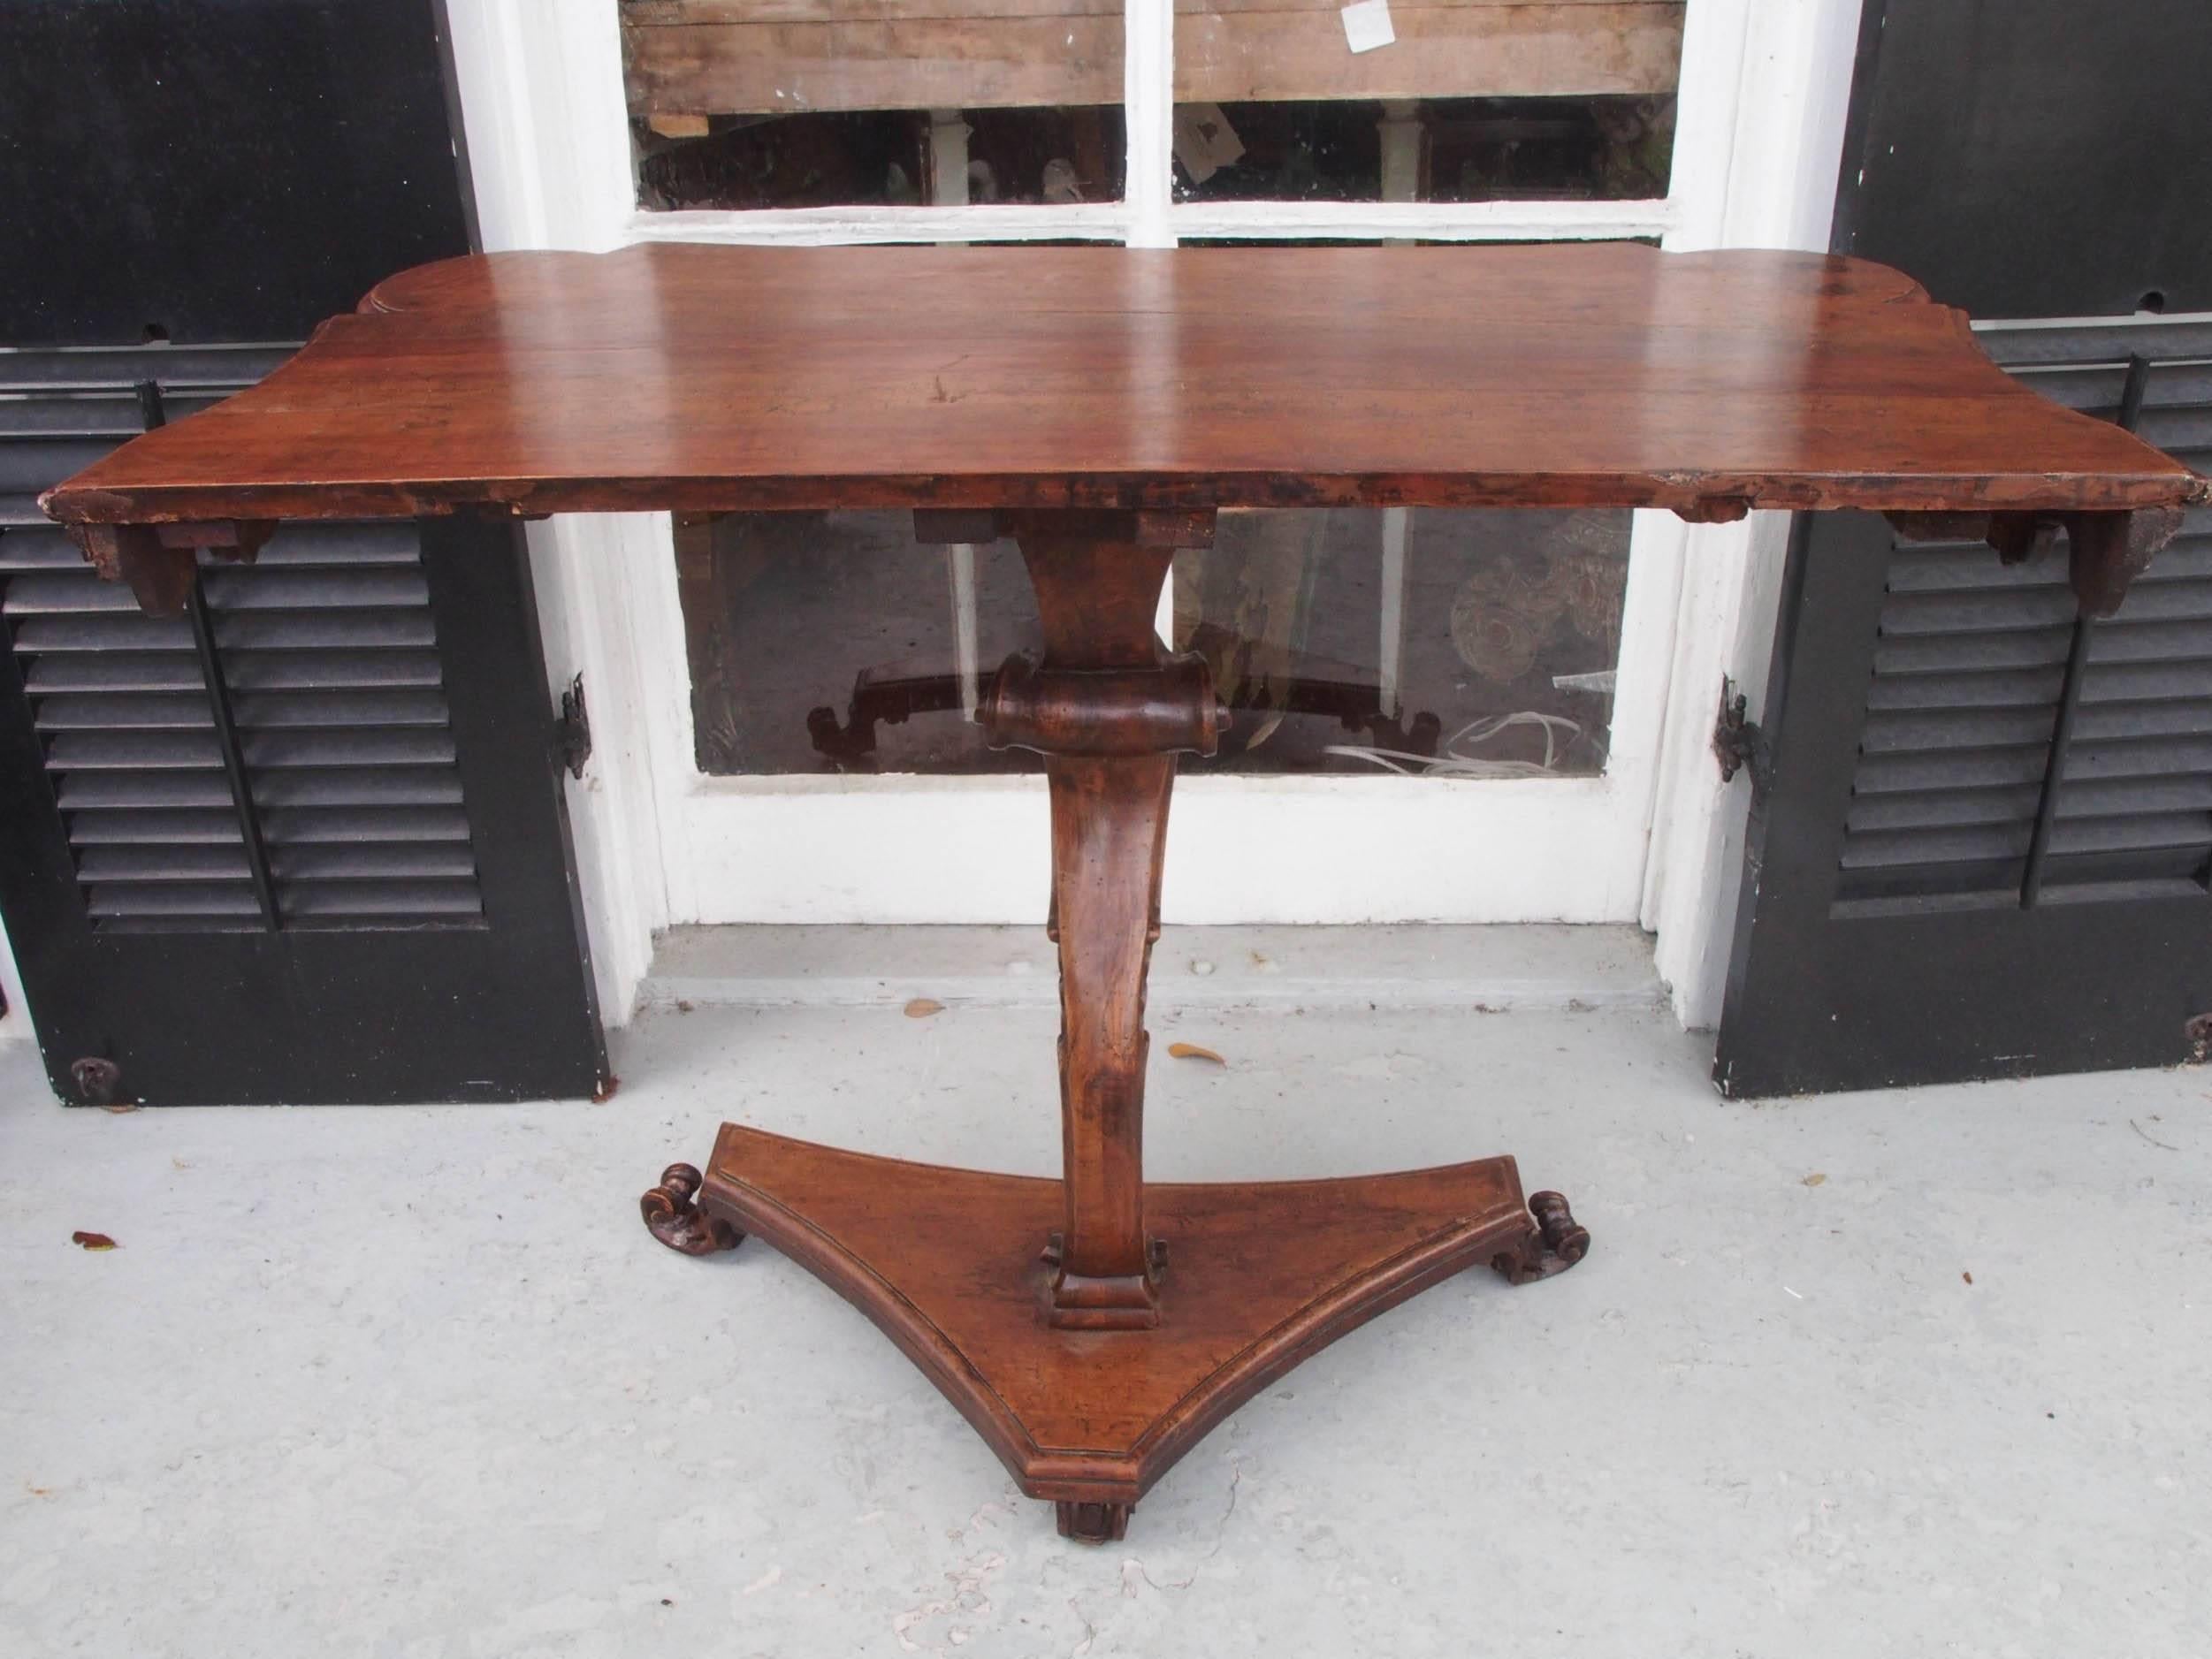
(1762, 90)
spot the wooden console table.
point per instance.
(1098, 405)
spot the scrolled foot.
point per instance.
(1553, 1244)
(1093, 1523)
(677, 1221)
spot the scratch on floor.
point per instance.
(970, 1600)
(1132, 1569)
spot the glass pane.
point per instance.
(787, 104)
(1351, 641)
(1466, 101)
(1409, 640)
(834, 641)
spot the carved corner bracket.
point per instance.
(160, 560)
(2106, 551)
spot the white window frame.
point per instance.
(1760, 128)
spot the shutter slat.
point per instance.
(2188, 794)
(2177, 429)
(57, 413)
(2094, 389)
(2027, 346)
(1965, 844)
(2143, 719)
(378, 786)
(2175, 873)
(2184, 558)
(175, 901)
(230, 367)
(332, 901)
(366, 860)
(143, 789)
(1970, 567)
(2146, 682)
(321, 630)
(338, 543)
(304, 587)
(131, 751)
(375, 746)
(65, 593)
(2165, 602)
(120, 632)
(153, 862)
(2149, 758)
(259, 671)
(2180, 832)
(303, 825)
(122, 713)
(2041, 606)
(1972, 653)
(108, 417)
(148, 827)
(1888, 734)
(29, 465)
(2037, 690)
(1884, 774)
(29, 548)
(121, 672)
(2151, 641)
(256, 710)
(1874, 813)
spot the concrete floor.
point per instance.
(413, 1383)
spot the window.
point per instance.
(1430, 643)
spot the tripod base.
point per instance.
(950, 1264)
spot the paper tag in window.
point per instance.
(1367, 25)
(1204, 140)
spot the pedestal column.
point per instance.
(1110, 709)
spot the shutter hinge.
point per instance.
(572, 732)
(1738, 741)
(97, 1080)
(2197, 1033)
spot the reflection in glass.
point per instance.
(1416, 641)
(1457, 149)
(1412, 641)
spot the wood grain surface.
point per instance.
(705, 377)
(1263, 1275)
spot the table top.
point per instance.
(705, 377)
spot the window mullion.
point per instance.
(1149, 109)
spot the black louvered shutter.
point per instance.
(1985, 846)
(304, 842)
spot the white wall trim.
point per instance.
(1429, 221)
(1792, 78)
(910, 849)
(1116, 222)
(840, 227)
